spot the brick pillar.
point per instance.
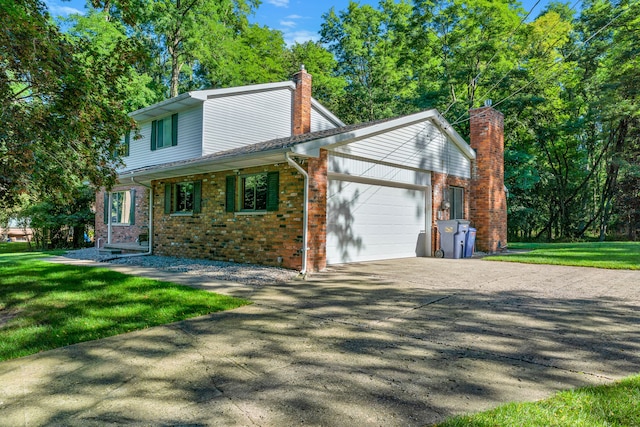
(302, 103)
(317, 237)
(488, 196)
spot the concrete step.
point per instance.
(110, 251)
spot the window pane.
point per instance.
(456, 198)
(120, 207)
(184, 197)
(254, 192)
(248, 193)
(261, 192)
(166, 133)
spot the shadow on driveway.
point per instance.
(405, 342)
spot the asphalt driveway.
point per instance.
(404, 342)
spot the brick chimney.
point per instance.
(302, 102)
(488, 208)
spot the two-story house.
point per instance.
(265, 174)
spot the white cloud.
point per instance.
(288, 24)
(56, 9)
(279, 3)
(293, 17)
(292, 37)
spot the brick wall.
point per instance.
(123, 233)
(219, 235)
(317, 234)
(439, 184)
(488, 197)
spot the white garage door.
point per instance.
(368, 222)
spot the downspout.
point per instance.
(109, 218)
(150, 251)
(305, 212)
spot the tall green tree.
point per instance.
(62, 105)
(368, 44)
(328, 88)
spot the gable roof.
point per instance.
(306, 145)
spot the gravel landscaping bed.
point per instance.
(218, 270)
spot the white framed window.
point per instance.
(121, 210)
(182, 197)
(456, 200)
(164, 132)
(253, 193)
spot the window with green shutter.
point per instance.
(253, 193)
(183, 197)
(123, 148)
(164, 132)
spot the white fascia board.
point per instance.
(323, 110)
(189, 99)
(459, 141)
(214, 93)
(200, 166)
(312, 148)
(168, 106)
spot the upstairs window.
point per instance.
(253, 193)
(456, 199)
(123, 149)
(164, 132)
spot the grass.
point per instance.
(13, 247)
(610, 405)
(611, 255)
(45, 305)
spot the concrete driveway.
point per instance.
(393, 343)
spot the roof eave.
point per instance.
(202, 166)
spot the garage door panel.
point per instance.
(370, 222)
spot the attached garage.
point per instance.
(371, 220)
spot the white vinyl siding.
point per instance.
(368, 221)
(235, 121)
(421, 146)
(359, 168)
(320, 122)
(189, 142)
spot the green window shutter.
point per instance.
(106, 207)
(174, 130)
(132, 207)
(167, 198)
(127, 142)
(160, 133)
(231, 193)
(273, 190)
(197, 196)
(154, 125)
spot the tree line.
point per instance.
(567, 81)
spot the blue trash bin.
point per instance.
(458, 244)
(470, 242)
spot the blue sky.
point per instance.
(299, 20)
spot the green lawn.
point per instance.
(45, 305)
(611, 405)
(14, 247)
(612, 255)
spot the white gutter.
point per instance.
(305, 212)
